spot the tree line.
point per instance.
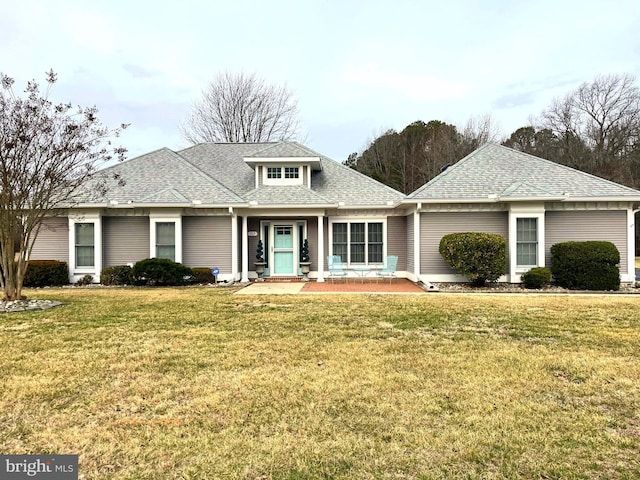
(594, 128)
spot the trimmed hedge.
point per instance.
(160, 271)
(116, 275)
(591, 265)
(46, 273)
(536, 278)
(480, 257)
(202, 275)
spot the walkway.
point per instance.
(399, 285)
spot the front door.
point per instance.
(283, 250)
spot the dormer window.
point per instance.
(274, 172)
(282, 174)
(291, 172)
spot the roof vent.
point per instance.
(445, 167)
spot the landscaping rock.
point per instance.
(25, 305)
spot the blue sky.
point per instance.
(356, 68)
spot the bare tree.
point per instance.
(242, 108)
(478, 131)
(48, 154)
(599, 125)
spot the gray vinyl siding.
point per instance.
(206, 242)
(253, 225)
(410, 253)
(124, 240)
(52, 242)
(579, 226)
(434, 226)
(397, 240)
(312, 236)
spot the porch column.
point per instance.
(320, 249)
(631, 247)
(416, 243)
(234, 245)
(245, 250)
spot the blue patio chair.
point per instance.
(336, 267)
(389, 271)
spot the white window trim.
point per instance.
(162, 218)
(366, 220)
(76, 272)
(283, 180)
(525, 211)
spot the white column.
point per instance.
(97, 247)
(245, 250)
(416, 244)
(631, 247)
(234, 245)
(320, 248)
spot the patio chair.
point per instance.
(389, 271)
(336, 267)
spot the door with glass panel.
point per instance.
(283, 250)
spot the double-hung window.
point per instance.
(358, 242)
(166, 240)
(527, 242)
(85, 246)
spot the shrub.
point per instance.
(86, 280)
(536, 277)
(591, 265)
(160, 271)
(478, 256)
(202, 275)
(116, 275)
(46, 273)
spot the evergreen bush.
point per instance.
(46, 273)
(536, 278)
(160, 272)
(480, 257)
(590, 265)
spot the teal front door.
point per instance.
(283, 251)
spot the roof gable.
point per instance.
(163, 176)
(498, 172)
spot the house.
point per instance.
(210, 204)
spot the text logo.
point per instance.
(49, 467)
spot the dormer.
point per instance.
(284, 164)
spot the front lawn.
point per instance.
(203, 384)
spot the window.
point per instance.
(274, 172)
(85, 245)
(527, 241)
(340, 240)
(166, 240)
(375, 243)
(291, 172)
(358, 242)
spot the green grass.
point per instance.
(201, 383)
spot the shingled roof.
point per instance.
(495, 173)
(217, 174)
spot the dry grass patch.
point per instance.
(200, 383)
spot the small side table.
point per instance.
(361, 272)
